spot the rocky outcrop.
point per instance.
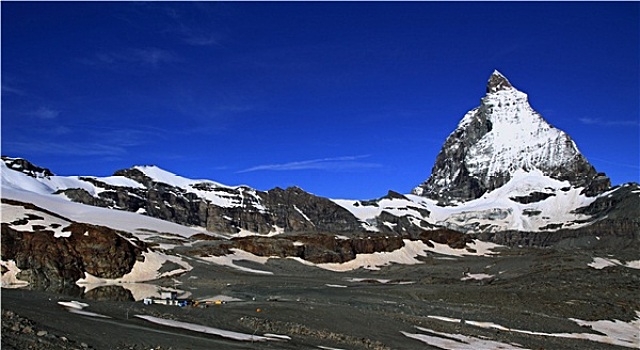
(497, 138)
(45, 260)
(300, 211)
(26, 167)
(318, 248)
(321, 247)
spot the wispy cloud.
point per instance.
(605, 122)
(201, 40)
(622, 164)
(44, 113)
(67, 149)
(12, 90)
(182, 24)
(329, 164)
(149, 56)
(84, 141)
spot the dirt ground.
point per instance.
(537, 290)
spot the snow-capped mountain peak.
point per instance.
(498, 82)
(501, 136)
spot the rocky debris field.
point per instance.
(21, 333)
(521, 298)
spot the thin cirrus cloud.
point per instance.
(201, 40)
(328, 164)
(45, 113)
(602, 122)
(6, 89)
(67, 149)
(149, 56)
(99, 141)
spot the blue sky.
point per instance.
(343, 99)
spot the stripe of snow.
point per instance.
(616, 332)
(303, 214)
(204, 329)
(458, 341)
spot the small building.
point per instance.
(170, 295)
(168, 298)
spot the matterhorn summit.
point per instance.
(502, 136)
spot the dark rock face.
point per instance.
(450, 165)
(299, 211)
(497, 82)
(112, 293)
(318, 248)
(444, 236)
(26, 167)
(49, 261)
(532, 197)
(502, 135)
(292, 209)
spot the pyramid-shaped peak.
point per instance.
(497, 82)
(494, 141)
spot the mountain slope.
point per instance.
(501, 136)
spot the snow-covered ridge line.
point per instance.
(160, 175)
(205, 189)
(504, 208)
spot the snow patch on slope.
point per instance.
(601, 263)
(137, 224)
(458, 341)
(9, 278)
(27, 220)
(238, 255)
(147, 270)
(210, 330)
(406, 255)
(615, 332)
